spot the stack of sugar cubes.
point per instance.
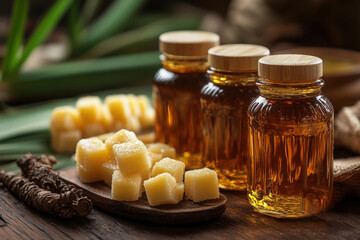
(91, 118)
(125, 163)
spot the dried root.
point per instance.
(40, 187)
(39, 170)
(65, 205)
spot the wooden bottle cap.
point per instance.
(237, 57)
(290, 68)
(188, 43)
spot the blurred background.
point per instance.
(62, 48)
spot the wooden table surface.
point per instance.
(17, 221)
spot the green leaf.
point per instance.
(88, 12)
(45, 27)
(85, 76)
(36, 145)
(110, 22)
(143, 36)
(14, 40)
(73, 27)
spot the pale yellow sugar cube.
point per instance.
(90, 109)
(134, 105)
(174, 167)
(201, 184)
(65, 141)
(144, 103)
(155, 157)
(126, 187)
(131, 157)
(119, 107)
(85, 176)
(121, 136)
(147, 119)
(106, 119)
(65, 119)
(163, 149)
(90, 154)
(133, 124)
(107, 170)
(162, 189)
(93, 129)
(179, 191)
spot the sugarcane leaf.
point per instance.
(41, 146)
(140, 37)
(86, 76)
(146, 18)
(45, 27)
(111, 21)
(73, 26)
(18, 20)
(88, 12)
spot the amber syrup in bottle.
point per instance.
(176, 92)
(224, 103)
(291, 139)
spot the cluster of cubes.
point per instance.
(130, 168)
(92, 118)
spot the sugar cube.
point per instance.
(90, 109)
(163, 149)
(90, 154)
(174, 167)
(121, 136)
(131, 157)
(163, 189)
(201, 184)
(107, 170)
(125, 187)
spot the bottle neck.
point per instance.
(270, 89)
(232, 78)
(184, 64)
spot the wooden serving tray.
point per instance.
(184, 212)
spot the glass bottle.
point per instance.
(291, 138)
(176, 92)
(224, 103)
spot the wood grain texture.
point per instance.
(238, 222)
(237, 57)
(188, 43)
(290, 68)
(184, 212)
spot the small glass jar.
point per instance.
(176, 92)
(291, 138)
(224, 103)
